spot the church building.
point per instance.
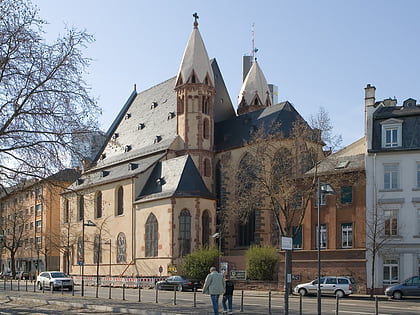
(156, 190)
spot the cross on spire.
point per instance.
(196, 17)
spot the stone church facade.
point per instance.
(157, 188)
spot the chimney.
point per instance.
(369, 95)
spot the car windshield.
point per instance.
(316, 281)
(58, 275)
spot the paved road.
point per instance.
(253, 303)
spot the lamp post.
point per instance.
(321, 189)
(218, 236)
(110, 274)
(88, 223)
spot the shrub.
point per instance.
(197, 264)
(261, 262)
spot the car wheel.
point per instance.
(180, 288)
(303, 292)
(339, 294)
(397, 295)
(39, 286)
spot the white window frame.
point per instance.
(391, 215)
(391, 176)
(323, 242)
(418, 174)
(393, 271)
(347, 235)
(388, 128)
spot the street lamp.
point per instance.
(218, 236)
(321, 189)
(88, 223)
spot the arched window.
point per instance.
(185, 232)
(207, 167)
(247, 231)
(81, 207)
(97, 250)
(151, 236)
(121, 248)
(205, 105)
(66, 211)
(205, 228)
(120, 201)
(206, 128)
(98, 213)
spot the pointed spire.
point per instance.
(195, 65)
(254, 93)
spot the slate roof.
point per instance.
(177, 177)
(234, 132)
(349, 159)
(410, 114)
(255, 83)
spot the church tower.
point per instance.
(195, 90)
(255, 93)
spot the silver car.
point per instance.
(54, 280)
(338, 286)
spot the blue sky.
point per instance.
(318, 53)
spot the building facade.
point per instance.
(392, 189)
(157, 189)
(30, 224)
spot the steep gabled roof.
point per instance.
(195, 60)
(236, 131)
(177, 177)
(223, 108)
(146, 124)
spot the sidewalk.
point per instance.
(113, 306)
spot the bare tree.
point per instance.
(379, 231)
(44, 100)
(14, 221)
(322, 121)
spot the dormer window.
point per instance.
(157, 139)
(391, 133)
(141, 126)
(171, 115)
(127, 148)
(79, 181)
(128, 116)
(132, 166)
(154, 105)
(104, 173)
(161, 181)
(115, 135)
(103, 156)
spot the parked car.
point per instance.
(54, 280)
(338, 286)
(179, 283)
(22, 275)
(6, 274)
(409, 287)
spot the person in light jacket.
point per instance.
(214, 286)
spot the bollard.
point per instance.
(139, 293)
(34, 286)
(269, 302)
(174, 295)
(43, 289)
(242, 301)
(62, 288)
(26, 285)
(123, 291)
(336, 304)
(195, 297)
(156, 297)
(52, 288)
(300, 303)
(4, 284)
(109, 293)
(72, 289)
(376, 306)
(18, 285)
(11, 285)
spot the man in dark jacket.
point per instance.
(228, 295)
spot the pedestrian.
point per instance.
(214, 285)
(228, 295)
